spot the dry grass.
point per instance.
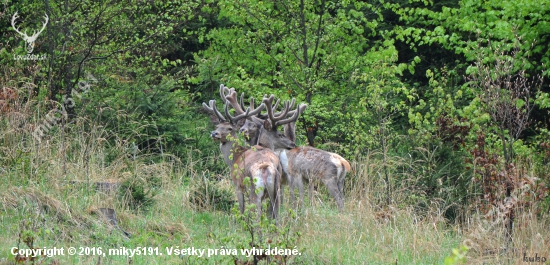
(490, 245)
(364, 236)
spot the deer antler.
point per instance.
(238, 105)
(213, 110)
(15, 17)
(276, 103)
(46, 18)
(243, 115)
(224, 91)
(279, 118)
(294, 115)
(292, 103)
(235, 119)
(232, 99)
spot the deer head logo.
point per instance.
(29, 39)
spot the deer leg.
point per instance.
(258, 201)
(240, 199)
(310, 187)
(256, 198)
(341, 184)
(297, 180)
(281, 187)
(257, 192)
(274, 196)
(332, 186)
(291, 193)
(292, 186)
(300, 180)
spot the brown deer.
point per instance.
(260, 164)
(265, 126)
(305, 163)
(309, 163)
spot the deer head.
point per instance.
(224, 127)
(29, 39)
(268, 135)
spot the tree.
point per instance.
(506, 94)
(304, 49)
(130, 50)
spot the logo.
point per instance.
(29, 39)
(536, 258)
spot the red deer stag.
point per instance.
(306, 163)
(266, 127)
(260, 164)
(309, 163)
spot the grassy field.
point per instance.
(50, 198)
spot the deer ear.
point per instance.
(267, 125)
(241, 122)
(290, 131)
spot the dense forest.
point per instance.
(441, 107)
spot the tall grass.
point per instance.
(50, 197)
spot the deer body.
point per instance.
(303, 163)
(308, 163)
(260, 164)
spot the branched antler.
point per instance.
(280, 118)
(213, 110)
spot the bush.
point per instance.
(138, 193)
(206, 194)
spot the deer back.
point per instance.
(314, 162)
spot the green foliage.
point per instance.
(30, 233)
(380, 78)
(147, 113)
(132, 52)
(441, 135)
(452, 27)
(384, 97)
(458, 256)
(138, 193)
(389, 80)
(261, 234)
(307, 51)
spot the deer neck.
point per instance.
(231, 149)
(258, 138)
(264, 141)
(255, 139)
(225, 148)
